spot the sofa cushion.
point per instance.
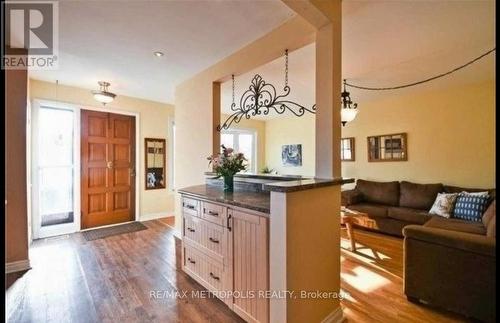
(456, 225)
(490, 213)
(349, 197)
(386, 225)
(373, 210)
(379, 192)
(470, 207)
(418, 196)
(491, 228)
(409, 215)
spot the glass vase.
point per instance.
(228, 183)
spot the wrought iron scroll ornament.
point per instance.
(261, 98)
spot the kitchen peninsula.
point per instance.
(268, 237)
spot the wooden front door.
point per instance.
(108, 168)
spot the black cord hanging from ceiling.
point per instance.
(419, 82)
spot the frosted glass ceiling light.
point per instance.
(349, 109)
(102, 95)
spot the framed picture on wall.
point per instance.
(291, 155)
(392, 147)
(155, 163)
(347, 149)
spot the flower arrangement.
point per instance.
(227, 164)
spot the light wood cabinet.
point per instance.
(250, 266)
(226, 249)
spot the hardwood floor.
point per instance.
(373, 277)
(110, 280)
(125, 278)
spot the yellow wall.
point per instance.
(259, 126)
(451, 136)
(194, 99)
(154, 118)
(291, 130)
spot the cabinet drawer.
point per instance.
(207, 234)
(191, 228)
(191, 206)
(214, 213)
(204, 268)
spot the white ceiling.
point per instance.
(386, 43)
(114, 41)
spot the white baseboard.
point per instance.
(15, 266)
(337, 316)
(153, 216)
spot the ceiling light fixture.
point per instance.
(102, 95)
(348, 112)
(262, 98)
(159, 54)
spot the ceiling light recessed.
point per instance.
(159, 54)
(102, 95)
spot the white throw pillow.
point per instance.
(443, 205)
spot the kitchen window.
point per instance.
(244, 141)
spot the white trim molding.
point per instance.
(154, 216)
(76, 108)
(337, 316)
(15, 266)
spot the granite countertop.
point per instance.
(304, 184)
(270, 177)
(257, 201)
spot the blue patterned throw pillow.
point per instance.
(470, 207)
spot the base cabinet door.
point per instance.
(250, 263)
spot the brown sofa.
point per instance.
(393, 205)
(451, 263)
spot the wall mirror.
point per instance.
(155, 163)
(391, 147)
(347, 149)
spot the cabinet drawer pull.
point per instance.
(213, 240)
(191, 261)
(210, 212)
(189, 206)
(191, 230)
(214, 277)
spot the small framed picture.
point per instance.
(291, 155)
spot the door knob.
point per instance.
(110, 165)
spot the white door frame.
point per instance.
(38, 231)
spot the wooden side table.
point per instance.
(348, 218)
(347, 221)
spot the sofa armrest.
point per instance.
(469, 242)
(350, 197)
